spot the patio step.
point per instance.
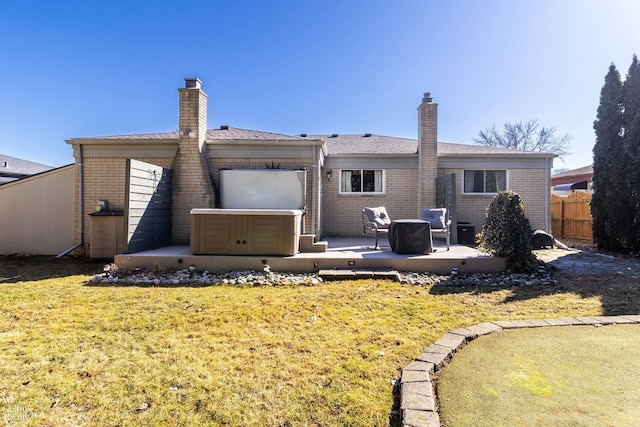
(328, 275)
(308, 244)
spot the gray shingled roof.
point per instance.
(136, 136)
(390, 145)
(12, 168)
(367, 144)
(451, 149)
(230, 133)
(337, 145)
(246, 134)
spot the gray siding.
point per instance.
(147, 206)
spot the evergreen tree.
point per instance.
(631, 139)
(608, 199)
(631, 93)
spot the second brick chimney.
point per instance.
(427, 153)
(192, 183)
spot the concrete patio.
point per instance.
(343, 254)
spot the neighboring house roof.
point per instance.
(12, 168)
(573, 178)
(585, 170)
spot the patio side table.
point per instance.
(410, 236)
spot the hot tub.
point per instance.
(274, 232)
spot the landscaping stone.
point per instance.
(418, 365)
(189, 276)
(558, 322)
(417, 401)
(414, 376)
(512, 324)
(438, 359)
(485, 328)
(414, 418)
(192, 277)
(451, 341)
(631, 317)
(420, 388)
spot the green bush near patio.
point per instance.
(507, 233)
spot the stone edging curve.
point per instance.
(417, 394)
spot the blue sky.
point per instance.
(72, 69)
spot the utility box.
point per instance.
(466, 234)
(107, 234)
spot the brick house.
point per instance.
(345, 172)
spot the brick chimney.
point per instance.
(427, 152)
(192, 182)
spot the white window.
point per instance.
(368, 181)
(485, 181)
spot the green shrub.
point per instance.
(507, 233)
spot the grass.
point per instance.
(327, 355)
(573, 376)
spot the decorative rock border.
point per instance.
(417, 393)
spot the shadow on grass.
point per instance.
(15, 269)
(619, 294)
(165, 285)
(395, 417)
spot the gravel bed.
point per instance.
(192, 277)
(544, 276)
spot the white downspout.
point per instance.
(80, 206)
(547, 195)
(81, 195)
(314, 186)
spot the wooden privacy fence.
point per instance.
(571, 216)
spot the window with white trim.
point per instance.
(367, 181)
(484, 181)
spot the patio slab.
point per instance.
(349, 256)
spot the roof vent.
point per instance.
(334, 135)
(224, 127)
(367, 135)
(304, 135)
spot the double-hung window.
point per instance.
(485, 181)
(367, 181)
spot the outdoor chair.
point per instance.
(440, 223)
(375, 221)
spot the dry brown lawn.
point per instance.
(327, 355)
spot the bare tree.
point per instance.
(527, 136)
